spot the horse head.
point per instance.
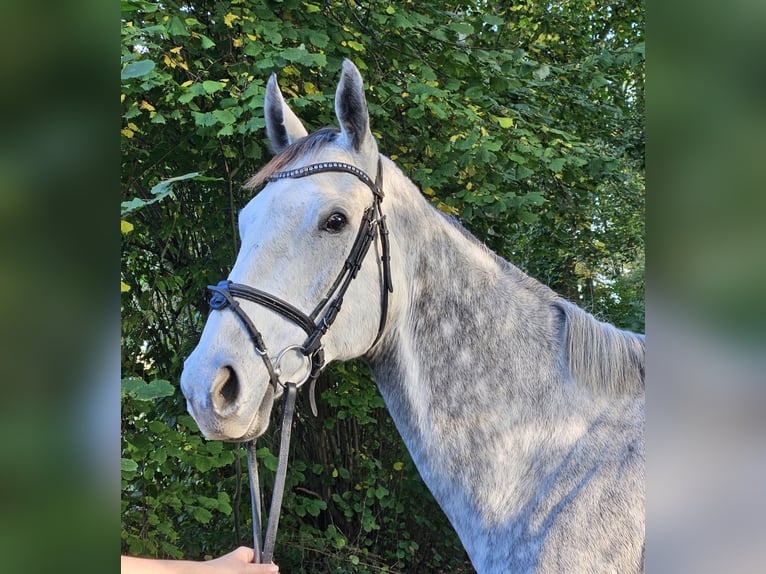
(298, 235)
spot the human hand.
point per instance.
(239, 561)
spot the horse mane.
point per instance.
(600, 356)
(298, 149)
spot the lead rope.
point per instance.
(266, 555)
(255, 499)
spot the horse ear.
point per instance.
(351, 110)
(282, 125)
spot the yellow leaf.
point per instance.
(124, 287)
(122, 98)
(125, 226)
(127, 133)
(229, 18)
(444, 208)
(237, 42)
(146, 106)
(187, 83)
(168, 61)
(176, 50)
(252, 37)
(428, 191)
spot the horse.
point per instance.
(523, 413)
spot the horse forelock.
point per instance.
(303, 148)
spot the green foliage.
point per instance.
(166, 466)
(523, 119)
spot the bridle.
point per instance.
(315, 324)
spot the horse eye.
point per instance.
(335, 222)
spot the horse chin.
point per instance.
(261, 418)
(239, 430)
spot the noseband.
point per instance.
(316, 324)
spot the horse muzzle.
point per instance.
(222, 404)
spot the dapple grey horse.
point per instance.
(523, 413)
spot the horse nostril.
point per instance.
(227, 391)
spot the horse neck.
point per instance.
(467, 321)
(476, 370)
(473, 354)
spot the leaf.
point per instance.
(224, 116)
(130, 384)
(160, 191)
(474, 92)
(598, 81)
(318, 38)
(207, 43)
(176, 27)
(492, 20)
(125, 226)
(157, 427)
(269, 460)
(211, 87)
(534, 198)
(461, 28)
(137, 69)
(355, 45)
(202, 515)
(519, 159)
(523, 172)
(504, 123)
(557, 164)
(127, 465)
(142, 391)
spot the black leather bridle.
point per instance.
(315, 324)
